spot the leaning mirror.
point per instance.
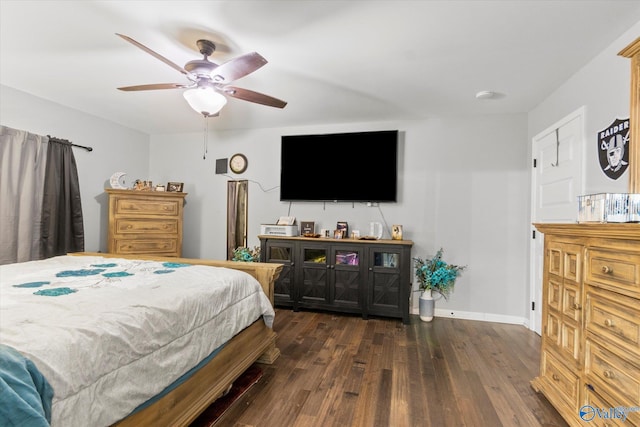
(237, 215)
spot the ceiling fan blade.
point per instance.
(251, 96)
(156, 55)
(155, 86)
(237, 67)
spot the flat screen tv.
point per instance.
(340, 167)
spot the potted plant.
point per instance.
(434, 274)
(246, 254)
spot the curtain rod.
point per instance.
(66, 141)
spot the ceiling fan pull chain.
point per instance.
(206, 138)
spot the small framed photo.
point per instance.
(175, 187)
(344, 228)
(338, 234)
(396, 232)
(308, 227)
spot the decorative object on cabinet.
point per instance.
(590, 350)
(375, 230)
(343, 228)
(238, 163)
(175, 187)
(145, 222)
(396, 232)
(117, 180)
(609, 207)
(142, 185)
(307, 227)
(366, 277)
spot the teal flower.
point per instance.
(435, 274)
(246, 254)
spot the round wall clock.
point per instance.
(238, 163)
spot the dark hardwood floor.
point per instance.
(338, 370)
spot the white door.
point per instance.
(556, 183)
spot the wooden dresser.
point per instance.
(590, 358)
(145, 222)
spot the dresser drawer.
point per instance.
(562, 379)
(613, 317)
(599, 412)
(611, 376)
(133, 206)
(146, 246)
(614, 270)
(133, 226)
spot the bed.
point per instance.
(110, 335)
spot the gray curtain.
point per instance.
(62, 223)
(23, 158)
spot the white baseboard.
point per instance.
(484, 317)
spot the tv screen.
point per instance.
(340, 167)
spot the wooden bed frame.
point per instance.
(254, 344)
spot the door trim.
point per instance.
(534, 323)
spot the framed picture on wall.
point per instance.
(175, 187)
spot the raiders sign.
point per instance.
(613, 148)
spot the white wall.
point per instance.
(115, 148)
(603, 87)
(463, 186)
(464, 181)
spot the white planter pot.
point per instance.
(426, 306)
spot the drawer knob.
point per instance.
(555, 377)
(609, 374)
(608, 322)
(606, 269)
(576, 306)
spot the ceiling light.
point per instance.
(205, 100)
(485, 94)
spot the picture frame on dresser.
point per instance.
(175, 187)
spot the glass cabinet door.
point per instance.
(345, 289)
(384, 280)
(313, 275)
(282, 253)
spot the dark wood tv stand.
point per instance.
(366, 277)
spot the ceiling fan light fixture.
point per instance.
(205, 100)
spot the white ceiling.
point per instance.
(333, 61)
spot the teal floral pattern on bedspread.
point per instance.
(104, 274)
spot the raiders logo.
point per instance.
(613, 148)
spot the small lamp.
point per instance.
(205, 100)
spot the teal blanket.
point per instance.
(25, 395)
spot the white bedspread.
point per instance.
(110, 333)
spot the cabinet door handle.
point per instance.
(608, 322)
(555, 377)
(607, 270)
(609, 374)
(576, 306)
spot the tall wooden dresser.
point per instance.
(145, 222)
(590, 358)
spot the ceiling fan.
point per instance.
(209, 82)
